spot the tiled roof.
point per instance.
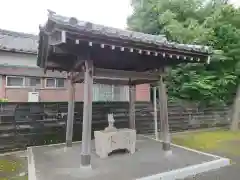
(28, 43)
(137, 37)
(18, 42)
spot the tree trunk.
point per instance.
(236, 112)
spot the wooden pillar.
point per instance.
(165, 135)
(155, 112)
(87, 115)
(132, 99)
(161, 114)
(70, 115)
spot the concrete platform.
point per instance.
(55, 162)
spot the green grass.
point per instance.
(10, 167)
(219, 140)
(19, 178)
(16, 178)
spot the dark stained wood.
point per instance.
(163, 112)
(109, 48)
(58, 37)
(87, 114)
(107, 76)
(122, 60)
(108, 42)
(70, 114)
(46, 121)
(132, 99)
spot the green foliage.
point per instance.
(212, 22)
(3, 100)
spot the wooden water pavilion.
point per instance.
(89, 51)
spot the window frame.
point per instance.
(55, 83)
(29, 79)
(23, 84)
(123, 95)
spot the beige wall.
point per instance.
(25, 65)
(59, 94)
(18, 59)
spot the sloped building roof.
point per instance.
(159, 41)
(28, 43)
(18, 42)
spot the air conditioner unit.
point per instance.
(33, 96)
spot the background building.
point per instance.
(20, 75)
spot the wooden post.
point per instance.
(70, 115)
(155, 112)
(161, 114)
(132, 99)
(164, 115)
(87, 115)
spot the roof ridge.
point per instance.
(17, 34)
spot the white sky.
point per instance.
(237, 2)
(26, 15)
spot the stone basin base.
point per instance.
(108, 141)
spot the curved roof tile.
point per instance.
(158, 40)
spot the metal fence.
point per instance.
(27, 124)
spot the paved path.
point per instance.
(231, 172)
(58, 163)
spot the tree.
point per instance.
(214, 23)
(236, 112)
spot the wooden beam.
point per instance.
(137, 46)
(110, 81)
(78, 65)
(142, 81)
(111, 75)
(53, 64)
(57, 37)
(125, 74)
(78, 77)
(114, 81)
(59, 50)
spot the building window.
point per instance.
(50, 82)
(33, 81)
(15, 81)
(18, 81)
(102, 92)
(54, 83)
(59, 83)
